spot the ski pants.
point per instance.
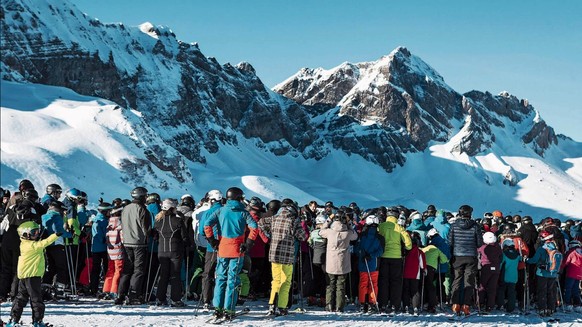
(411, 293)
(429, 287)
(114, 270)
(546, 292)
(367, 288)
(170, 271)
(208, 278)
(281, 284)
(335, 296)
(132, 278)
(506, 291)
(488, 285)
(227, 283)
(572, 291)
(390, 282)
(28, 289)
(465, 270)
(8, 279)
(99, 263)
(57, 265)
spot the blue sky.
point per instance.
(533, 49)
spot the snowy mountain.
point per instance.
(105, 107)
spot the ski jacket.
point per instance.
(529, 235)
(153, 241)
(204, 216)
(573, 264)
(20, 211)
(465, 238)
(52, 221)
(509, 265)
(46, 201)
(441, 224)
(31, 262)
(576, 232)
(259, 248)
(490, 255)
(82, 215)
(414, 263)
(186, 212)
(370, 244)
(520, 246)
(99, 231)
(418, 226)
(136, 224)
(541, 258)
(428, 221)
(232, 221)
(319, 245)
(395, 237)
(114, 239)
(284, 228)
(199, 237)
(444, 247)
(434, 256)
(339, 236)
(172, 232)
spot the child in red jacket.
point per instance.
(414, 268)
(573, 267)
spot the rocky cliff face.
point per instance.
(380, 110)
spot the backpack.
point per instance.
(554, 260)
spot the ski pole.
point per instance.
(440, 283)
(153, 284)
(422, 278)
(477, 296)
(372, 285)
(560, 291)
(187, 281)
(87, 264)
(301, 279)
(310, 263)
(150, 269)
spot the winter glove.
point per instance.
(213, 243)
(247, 245)
(367, 257)
(59, 234)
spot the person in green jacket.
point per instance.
(434, 257)
(31, 267)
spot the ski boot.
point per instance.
(13, 324)
(466, 310)
(457, 309)
(283, 312)
(272, 310)
(177, 304)
(363, 307)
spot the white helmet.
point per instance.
(215, 195)
(489, 238)
(415, 215)
(320, 218)
(432, 232)
(186, 196)
(168, 204)
(372, 220)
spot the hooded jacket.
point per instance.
(465, 238)
(434, 255)
(284, 228)
(99, 231)
(136, 224)
(441, 224)
(338, 256)
(319, 245)
(573, 264)
(172, 232)
(414, 263)
(114, 239)
(444, 247)
(53, 222)
(31, 262)
(541, 258)
(370, 244)
(509, 265)
(395, 236)
(418, 226)
(490, 255)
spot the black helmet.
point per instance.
(125, 202)
(274, 206)
(104, 207)
(30, 194)
(57, 206)
(25, 184)
(392, 212)
(235, 193)
(431, 207)
(256, 203)
(516, 219)
(509, 228)
(5, 194)
(465, 211)
(53, 188)
(329, 204)
(486, 221)
(526, 220)
(153, 198)
(116, 202)
(139, 193)
(188, 201)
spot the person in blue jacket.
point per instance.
(153, 204)
(99, 245)
(509, 262)
(53, 193)
(545, 277)
(417, 225)
(444, 278)
(369, 248)
(232, 220)
(214, 198)
(52, 222)
(441, 224)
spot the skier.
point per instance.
(259, 263)
(136, 225)
(509, 276)
(414, 268)
(443, 268)
(573, 268)
(369, 248)
(31, 267)
(319, 245)
(115, 255)
(52, 223)
(53, 194)
(172, 243)
(215, 201)
(434, 256)
(464, 238)
(337, 264)
(546, 274)
(397, 241)
(192, 257)
(490, 256)
(99, 245)
(152, 264)
(232, 221)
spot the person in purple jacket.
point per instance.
(490, 256)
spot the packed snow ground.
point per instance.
(97, 313)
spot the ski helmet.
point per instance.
(546, 236)
(465, 211)
(214, 195)
(73, 194)
(24, 185)
(153, 198)
(329, 204)
(5, 194)
(509, 228)
(274, 206)
(415, 215)
(30, 194)
(139, 193)
(256, 203)
(235, 193)
(53, 189)
(489, 238)
(125, 202)
(392, 212)
(57, 206)
(116, 202)
(488, 215)
(497, 214)
(320, 218)
(516, 219)
(104, 207)
(188, 201)
(432, 232)
(83, 196)
(574, 244)
(28, 230)
(168, 204)
(508, 242)
(372, 220)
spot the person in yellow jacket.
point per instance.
(31, 267)
(391, 262)
(434, 257)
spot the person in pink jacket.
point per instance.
(573, 269)
(414, 268)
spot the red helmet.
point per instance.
(546, 236)
(497, 214)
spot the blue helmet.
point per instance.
(74, 194)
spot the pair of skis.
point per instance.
(218, 321)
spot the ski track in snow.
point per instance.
(90, 312)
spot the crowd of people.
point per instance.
(226, 249)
